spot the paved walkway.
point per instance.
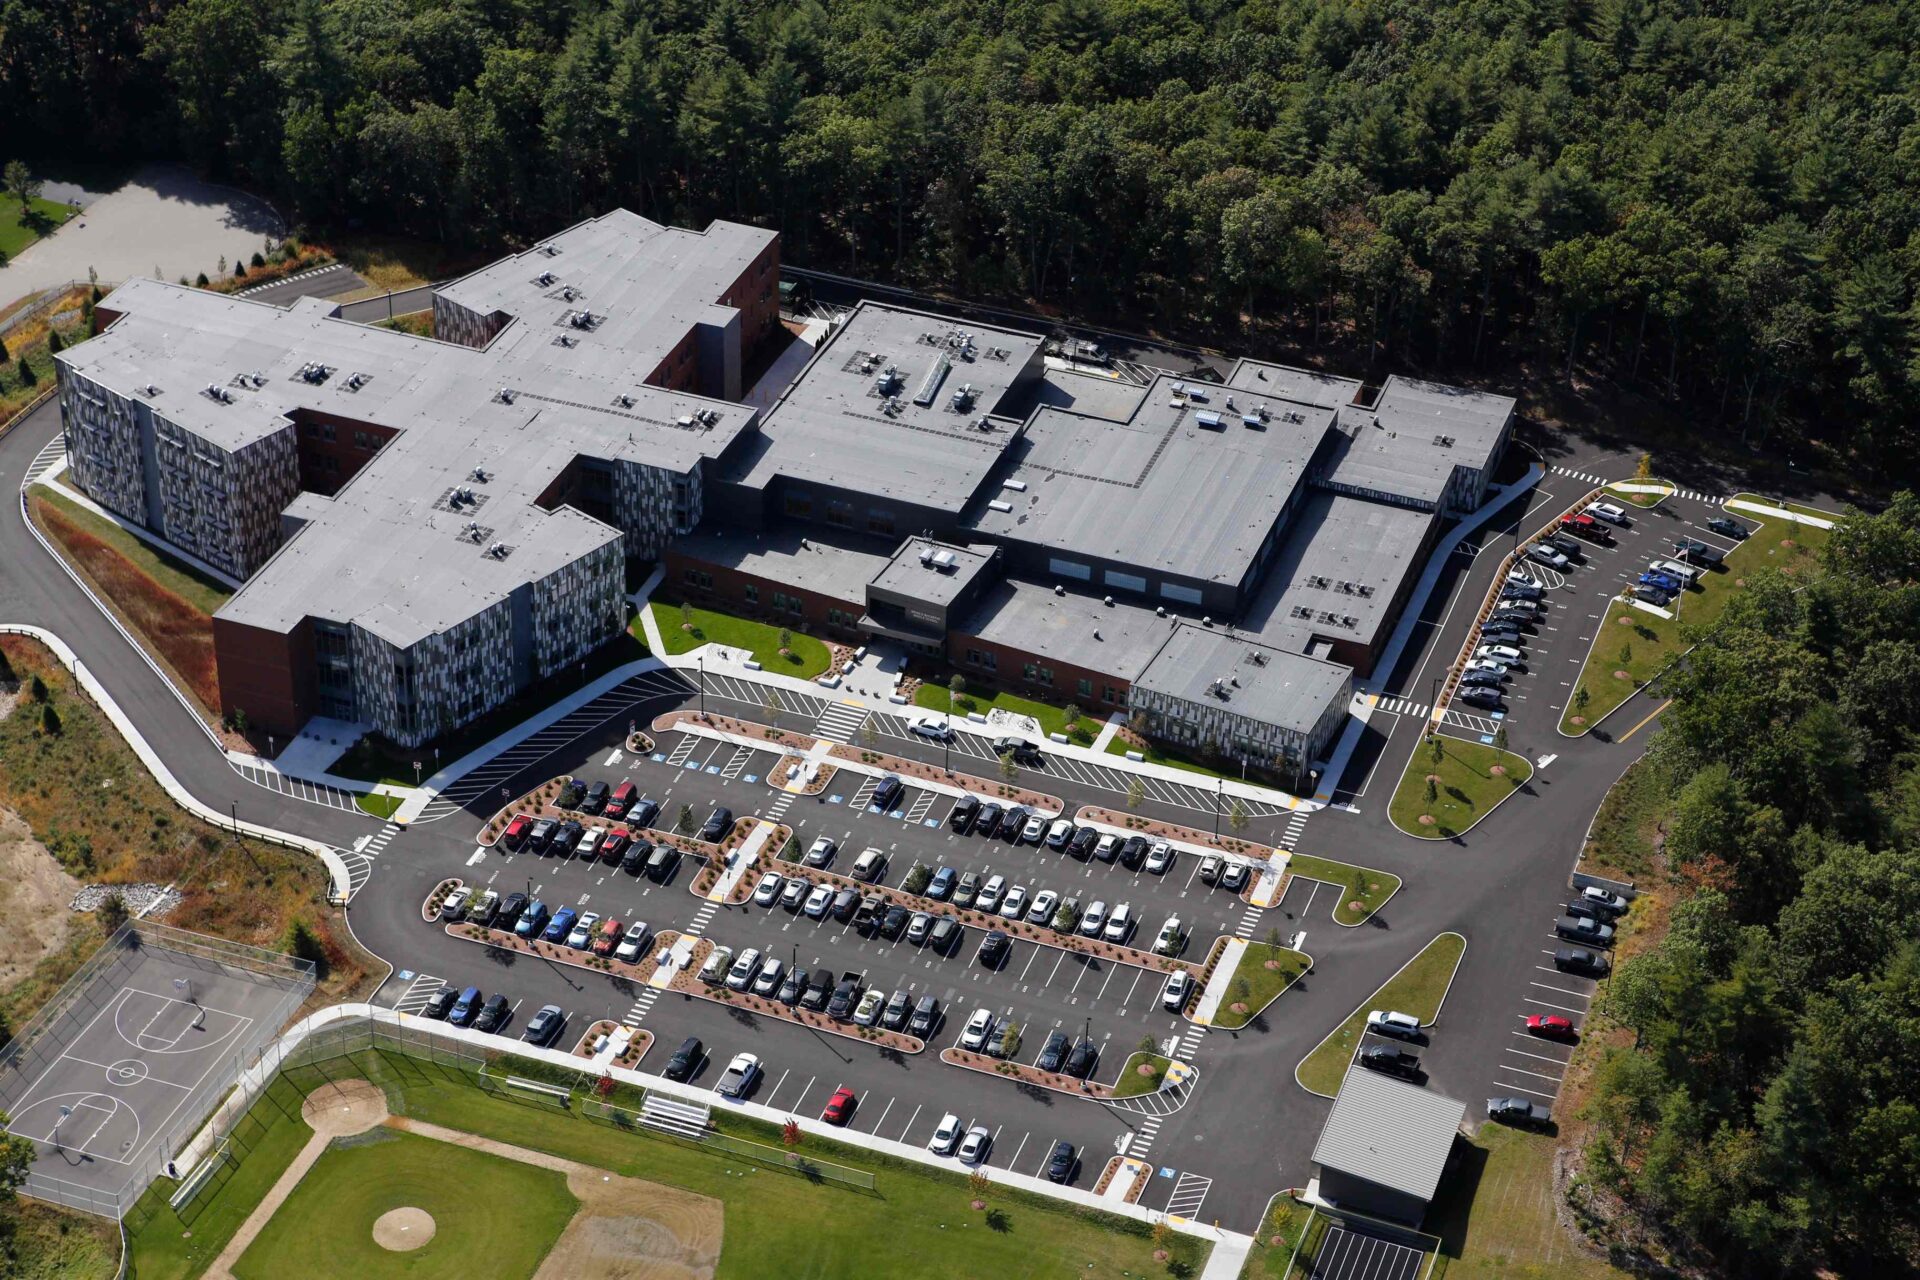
(1778, 513)
(1217, 986)
(163, 219)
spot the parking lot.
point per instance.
(1576, 600)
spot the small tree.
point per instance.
(1580, 700)
(1070, 715)
(956, 688)
(1359, 888)
(3, 353)
(303, 944)
(240, 721)
(21, 184)
(1136, 792)
(258, 261)
(1436, 748)
(38, 689)
(1162, 1233)
(1010, 1040)
(1274, 940)
(1008, 769)
(1237, 814)
(772, 706)
(1242, 990)
(1500, 737)
(200, 280)
(28, 377)
(54, 345)
(978, 1184)
(790, 1135)
(221, 267)
(686, 615)
(7, 675)
(1626, 653)
(239, 269)
(683, 821)
(1433, 793)
(111, 914)
(867, 734)
(1643, 469)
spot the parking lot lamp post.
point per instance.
(703, 684)
(416, 773)
(1219, 791)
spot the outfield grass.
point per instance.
(779, 1226)
(484, 1207)
(1263, 984)
(808, 656)
(1417, 989)
(1643, 644)
(16, 232)
(1132, 1081)
(1358, 885)
(936, 697)
(1466, 786)
(1495, 1213)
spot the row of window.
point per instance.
(1035, 673)
(840, 514)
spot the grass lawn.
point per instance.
(1495, 1213)
(1623, 843)
(380, 806)
(17, 225)
(1417, 989)
(935, 697)
(1641, 499)
(809, 657)
(1465, 788)
(1274, 1242)
(1133, 1080)
(43, 1242)
(197, 589)
(1171, 756)
(377, 760)
(1267, 971)
(1643, 644)
(1358, 885)
(483, 1207)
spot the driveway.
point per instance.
(164, 218)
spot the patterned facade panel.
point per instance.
(102, 431)
(414, 695)
(197, 490)
(577, 608)
(264, 479)
(1201, 724)
(455, 323)
(652, 505)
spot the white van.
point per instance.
(1390, 1022)
(1607, 511)
(1685, 572)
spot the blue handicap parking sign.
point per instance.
(1165, 1172)
(713, 768)
(930, 822)
(833, 799)
(658, 756)
(751, 777)
(404, 974)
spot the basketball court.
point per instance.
(115, 1080)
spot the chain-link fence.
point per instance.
(793, 1160)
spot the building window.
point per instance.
(698, 578)
(839, 617)
(1110, 695)
(1086, 688)
(752, 593)
(1037, 674)
(986, 659)
(799, 505)
(879, 521)
(840, 513)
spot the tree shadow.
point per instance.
(997, 1220)
(1043, 1096)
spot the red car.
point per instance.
(621, 800)
(839, 1106)
(1550, 1024)
(607, 938)
(516, 833)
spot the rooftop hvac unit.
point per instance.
(568, 293)
(504, 395)
(1178, 388)
(1195, 393)
(1209, 419)
(996, 505)
(479, 474)
(498, 551)
(1206, 621)
(1253, 420)
(684, 422)
(544, 279)
(152, 390)
(625, 401)
(1059, 590)
(1096, 633)
(1107, 601)
(944, 559)
(355, 381)
(1018, 486)
(1160, 611)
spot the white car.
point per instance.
(589, 847)
(1014, 905)
(1107, 847)
(1499, 652)
(714, 971)
(989, 896)
(1234, 876)
(1178, 988)
(1160, 857)
(1487, 664)
(973, 1147)
(1094, 920)
(1044, 904)
(978, 1031)
(1546, 555)
(1172, 935)
(818, 901)
(739, 1076)
(633, 941)
(1603, 898)
(583, 930)
(455, 903)
(821, 852)
(1059, 833)
(867, 1012)
(1391, 1022)
(1119, 924)
(947, 1136)
(1519, 575)
(767, 892)
(742, 971)
(1607, 511)
(869, 865)
(1035, 831)
(935, 727)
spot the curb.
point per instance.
(1255, 1013)
(1512, 791)
(1335, 1029)
(1400, 882)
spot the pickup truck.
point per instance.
(867, 916)
(845, 995)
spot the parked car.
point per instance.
(1171, 939)
(978, 1031)
(484, 909)
(1483, 679)
(621, 800)
(988, 898)
(572, 793)
(1552, 1025)
(1061, 1162)
(1083, 1059)
(544, 1026)
(1604, 898)
(613, 845)
(940, 884)
(839, 1108)
(1094, 919)
(439, 1004)
(925, 1017)
(588, 847)
(1608, 512)
(974, 1146)
(945, 933)
(846, 995)
(1391, 1022)
(919, 925)
(867, 1011)
(965, 810)
(870, 865)
(1544, 554)
(993, 950)
(1519, 1111)
(606, 937)
(1045, 903)
(454, 905)
(988, 823)
(643, 813)
(792, 986)
(567, 837)
(532, 921)
(1581, 929)
(637, 857)
(1485, 699)
(540, 839)
(1083, 842)
(516, 833)
(1022, 751)
(819, 990)
(1233, 876)
(1119, 924)
(580, 937)
(684, 1060)
(894, 922)
(845, 902)
(1053, 1054)
(1210, 868)
(887, 794)
(1565, 544)
(899, 1006)
(714, 971)
(946, 1135)
(1522, 591)
(1728, 527)
(740, 973)
(1033, 830)
(718, 823)
(633, 943)
(1014, 905)
(1580, 960)
(767, 892)
(1694, 551)
(1107, 847)
(1395, 1062)
(967, 892)
(1500, 653)
(493, 1014)
(1486, 666)
(1067, 918)
(1160, 858)
(1133, 852)
(1653, 595)
(930, 726)
(465, 1007)
(819, 898)
(561, 926)
(739, 1076)
(820, 852)
(794, 891)
(1060, 833)
(1178, 990)
(595, 800)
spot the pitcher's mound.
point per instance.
(344, 1107)
(403, 1229)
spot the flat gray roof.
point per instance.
(1162, 490)
(1072, 629)
(839, 570)
(1391, 1133)
(1301, 386)
(1414, 436)
(1345, 557)
(1259, 681)
(833, 426)
(386, 551)
(934, 571)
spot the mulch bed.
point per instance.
(1057, 1081)
(636, 1047)
(687, 982)
(1171, 831)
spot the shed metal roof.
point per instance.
(1394, 1134)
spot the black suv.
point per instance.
(1012, 822)
(718, 823)
(1081, 1061)
(845, 996)
(792, 986)
(1694, 551)
(634, 860)
(819, 988)
(567, 837)
(1133, 852)
(1022, 751)
(680, 1066)
(887, 794)
(894, 921)
(993, 949)
(643, 813)
(963, 814)
(989, 820)
(510, 911)
(1054, 1053)
(596, 799)
(493, 1014)
(1082, 844)
(1395, 1062)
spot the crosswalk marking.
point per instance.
(1290, 838)
(840, 721)
(1600, 480)
(752, 694)
(46, 460)
(1249, 921)
(732, 768)
(298, 788)
(360, 858)
(1402, 707)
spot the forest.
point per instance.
(1713, 203)
(1765, 1110)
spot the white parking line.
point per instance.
(1538, 1075)
(1558, 1062)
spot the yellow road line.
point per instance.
(1650, 715)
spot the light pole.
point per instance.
(416, 773)
(703, 684)
(1219, 790)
